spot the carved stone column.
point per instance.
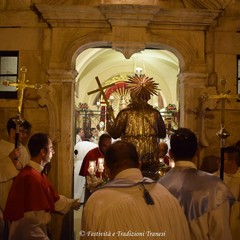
(57, 96)
(190, 87)
(190, 84)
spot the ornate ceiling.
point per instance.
(111, 66)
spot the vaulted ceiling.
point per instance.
(110, 66)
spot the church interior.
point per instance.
(189, 47)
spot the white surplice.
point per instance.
(205, 199)
(123, 213)
(233, 182)
(7, 169)
(82, 148)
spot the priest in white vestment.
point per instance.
(130, 206)
(206, 200)
(232, 179)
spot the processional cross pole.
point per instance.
(223, 134)
(20, 85)
(101, 90)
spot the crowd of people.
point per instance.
(203, 206)
(92, 136)
(131, 203)
(211, 207)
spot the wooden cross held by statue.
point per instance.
(222, 133)
(20, 85)
(100, 89)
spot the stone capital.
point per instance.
(61, 76)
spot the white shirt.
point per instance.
(122, 212)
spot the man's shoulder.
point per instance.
(30, 172)
(104, 194)
(28, 177)
(160, 190)
(190, 176)
(93, 152)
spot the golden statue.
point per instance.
(140, 123)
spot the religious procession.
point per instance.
(119, 120)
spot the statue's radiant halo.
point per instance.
(141, 85)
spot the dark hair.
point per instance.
(121, 155)
(37, 142)
(183, 144)
(233, 152)
(78, 130)
(11, 124)
(103, 137)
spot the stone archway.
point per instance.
(51, 34)
(187, 82)
(92, 86)
(64, 79)
(135, 29)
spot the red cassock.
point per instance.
(30, 191)
(93, 154)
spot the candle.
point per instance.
(161, 160)
(92, 167)
(100, 164)
(171, 163)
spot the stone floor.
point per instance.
(77, 222)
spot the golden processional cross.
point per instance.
(223, 134)
(20, 85)
(100, 89)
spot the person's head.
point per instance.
(101, 126)
(94, 132)
(41, 148)
(120, 155)
(24, 130)
(104, 142)
(80, 132)
(163, 149)
(183, 145)
(231, 159)
(210, 163)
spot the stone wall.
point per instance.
(49, 35)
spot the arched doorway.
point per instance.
(111, 66)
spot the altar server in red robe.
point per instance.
(32, 199)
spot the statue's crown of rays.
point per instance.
(142, 85)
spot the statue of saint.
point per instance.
(140, 123)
